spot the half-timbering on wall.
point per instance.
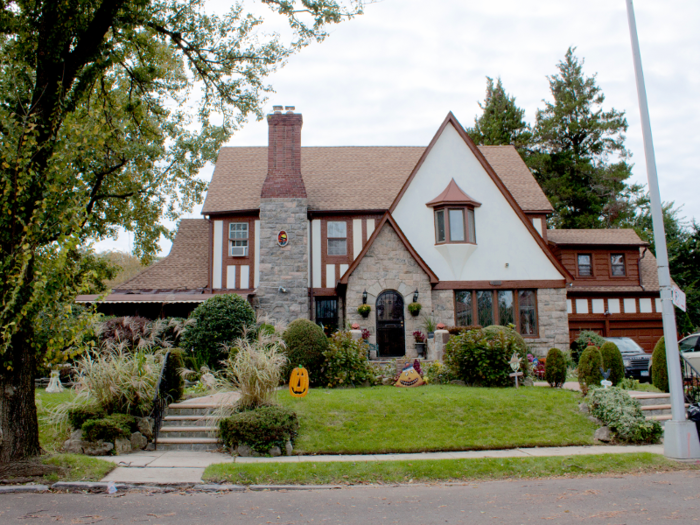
(315, 232)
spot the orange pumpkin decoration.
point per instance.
(299, 382)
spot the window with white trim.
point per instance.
(337, 234)
(238, 239)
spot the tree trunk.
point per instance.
(19, 428)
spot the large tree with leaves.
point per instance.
(108, 110)
(501, 122)
(579, 157)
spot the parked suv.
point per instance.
(635, 359)
(689, 348)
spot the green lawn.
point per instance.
(50, 437)
(436, 417)
(435, 470)
(76, 467)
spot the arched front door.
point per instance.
(390, 331)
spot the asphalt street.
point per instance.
(654, 498)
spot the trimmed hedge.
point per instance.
(218, 321)
(589, 368)
(261, 428)
(109, 428)
(305, 345)
(659, 368)
(346, 362)
(585, 339)
(79, 415)
(555, 368)
(612, 359)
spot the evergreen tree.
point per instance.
(502, 122)
(579, 157)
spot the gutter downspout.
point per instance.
(639, 264)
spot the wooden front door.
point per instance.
(390, 331)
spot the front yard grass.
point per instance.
(436, 418)
(50, 436)
(442, 470)
(76, 467)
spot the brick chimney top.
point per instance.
(284, 155)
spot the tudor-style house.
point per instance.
(314, 232)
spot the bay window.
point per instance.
(454, 225)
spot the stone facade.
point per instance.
(389, 266)
(553, 321)
(284, 268)
(444, 307)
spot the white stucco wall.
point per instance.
(501, 236)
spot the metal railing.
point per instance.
(691, 381)
(161, 400)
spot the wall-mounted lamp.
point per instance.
(415, 296)
(282, 289)
(364, 297)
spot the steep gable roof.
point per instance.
(352, 178)
(388, 219)
(451, 120)
(185, 268)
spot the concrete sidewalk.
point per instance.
(171, 467)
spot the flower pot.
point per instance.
(420, 349)
(364, 314)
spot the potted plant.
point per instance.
(414, 308)
(364, 310)
(429, 325)
(419, 338)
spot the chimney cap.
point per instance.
(289, 109)
(277, 109)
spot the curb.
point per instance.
(100, 487)
(14, 489)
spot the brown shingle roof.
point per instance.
(352, 178)
(624, 236)
(185, 268)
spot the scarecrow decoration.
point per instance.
(409, 377)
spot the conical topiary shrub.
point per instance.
(612, 359)
(659, 370)
(589, 368)
(555, 368)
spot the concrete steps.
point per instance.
(656, 407)
(189, 426)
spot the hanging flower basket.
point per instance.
(414, 308)
(364, 310)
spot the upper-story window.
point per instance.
(238, 239)
(585, 266)
(617, 264)
(337, 234)
(454, 216)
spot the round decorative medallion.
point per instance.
(282, 238)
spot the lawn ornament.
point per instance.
(605, 383)
(409, 377)
(299, 382)
(55, 385)
(515, 366)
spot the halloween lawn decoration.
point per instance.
(515, 366)
(299, 382)
(409, 377)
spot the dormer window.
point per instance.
(454, 216)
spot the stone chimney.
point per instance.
(283, 290)
(284, 155)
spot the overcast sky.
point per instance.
(390, 76)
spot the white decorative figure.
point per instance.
(515, 366)
(55, 385)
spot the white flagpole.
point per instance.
(680, 435)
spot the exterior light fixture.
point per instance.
(415, 296)
(364, 297)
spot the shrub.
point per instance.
(612, 359)
(346, 361)
(82, 413)
(659, 369)
(589, 368)
(172, 375)
(305, 344)
(585, 339)
(218, 321)
(623, 415)
(255, 370)
(481, 357)
(109, 428)
(438, 374)
(261, 428)
(555, 368)
(456, 330)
